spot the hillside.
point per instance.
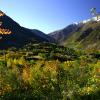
(46, 71)
(85, 34)
(12, 34)
(88, 36)
(61, 35)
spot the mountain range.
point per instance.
(85, 34)
(12, 34)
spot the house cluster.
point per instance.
(5, 31)
(1, 13)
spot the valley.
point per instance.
(62, 65)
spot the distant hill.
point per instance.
(12, 34)
(61, 35)
(85, 34)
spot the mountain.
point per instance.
(88, 36)
(62, 34)
(12, 34)
(85, 34)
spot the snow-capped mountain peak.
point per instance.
(91, 19)
(88, 20)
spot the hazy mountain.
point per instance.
(12, 34)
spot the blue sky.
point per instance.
(48, 15)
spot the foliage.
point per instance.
(24, 76)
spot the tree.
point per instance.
(94, 12)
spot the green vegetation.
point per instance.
(46, 71)
(86, 37)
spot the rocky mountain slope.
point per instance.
(85, 34)
(61, 35)
(88, 36)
